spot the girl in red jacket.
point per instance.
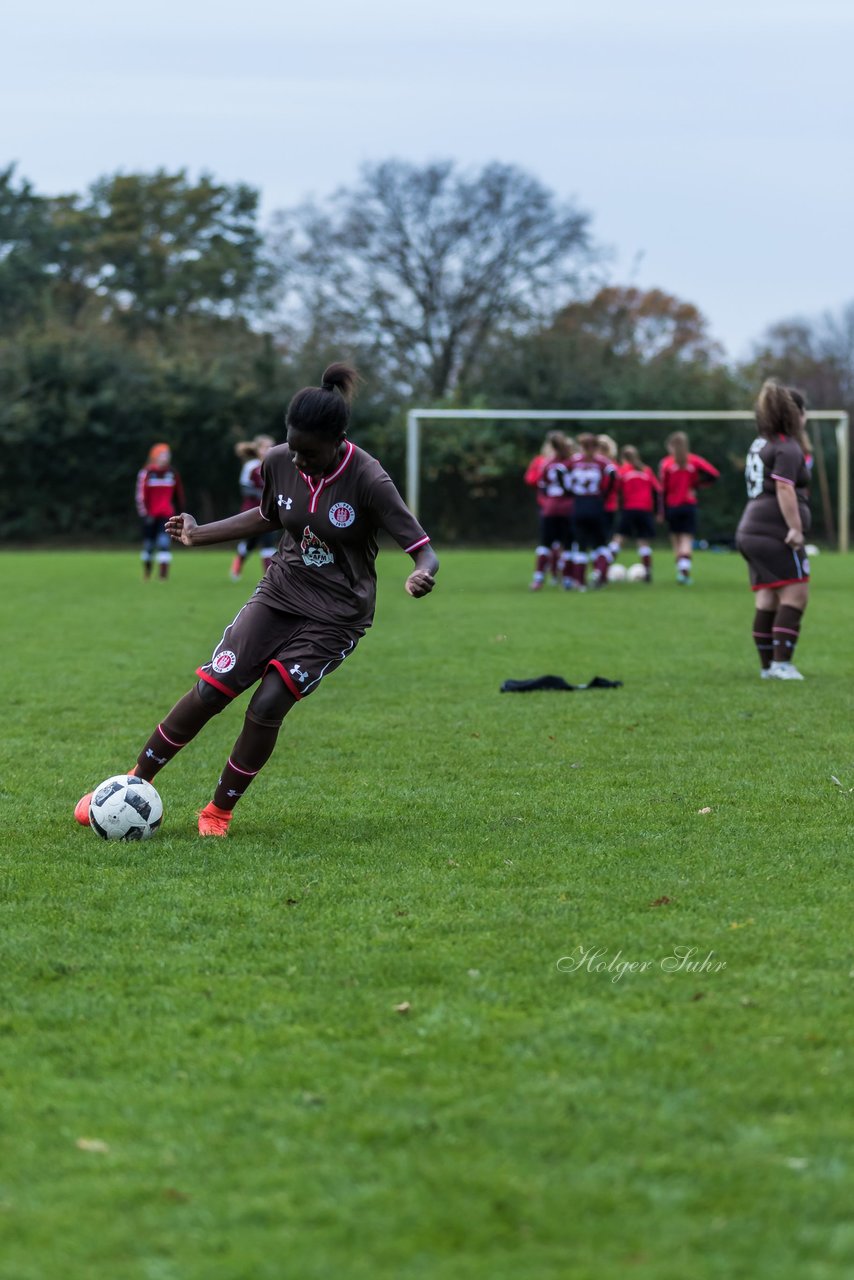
(159, 495)
(681, 474)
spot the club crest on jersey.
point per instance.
(341, 514)
(223, 662)
(314, 552)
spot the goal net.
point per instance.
(464, 467)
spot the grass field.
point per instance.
(206, 1073)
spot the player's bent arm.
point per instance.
(787, 500)
(183, 528)
(422, 580)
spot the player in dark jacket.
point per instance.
(329, 500)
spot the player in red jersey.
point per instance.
(329, 501)
(555, 505)
(771, 531)
(252, 453)
(681, 474)
(639, 491)
(590, 479)
(159, 495)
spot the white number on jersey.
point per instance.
(585, 481)
(754, 468)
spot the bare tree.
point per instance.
(422, 264)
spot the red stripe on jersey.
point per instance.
(286, 677)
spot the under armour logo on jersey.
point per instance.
(296, 670)
(282, 501)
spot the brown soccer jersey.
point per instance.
(324, 567)
(767, 462)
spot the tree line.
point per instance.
(155, 307)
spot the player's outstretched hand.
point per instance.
(180, 528)
(420, 583)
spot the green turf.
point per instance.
(221, 1015)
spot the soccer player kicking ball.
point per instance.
(328, 499)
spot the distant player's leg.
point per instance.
(645, 557)
(164, 553)
(787, 629)
(149, 534)
(239, 561)
(542, 556)
(684, 550)
(763, 621)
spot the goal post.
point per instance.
(415, 417)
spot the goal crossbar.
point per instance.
(415, 417)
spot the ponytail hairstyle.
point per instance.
(588, 442)
(608, 446)
(562, 446)
(801, 401)
(246, 449)
(677, 447)
(778, 412)
(629, 454)
(325, 410)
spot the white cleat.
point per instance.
(783, 671)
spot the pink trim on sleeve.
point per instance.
(421, 542)
(782, 479)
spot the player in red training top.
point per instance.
(639, 493)
(252, 453)
(681, 474)
(547, 472)
(590, 479)
(159, 495)
(329, 500)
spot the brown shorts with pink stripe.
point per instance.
(301, 650)
(771, 563)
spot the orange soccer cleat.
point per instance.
(214, 821)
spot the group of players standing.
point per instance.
(584, 487)
(581, 488)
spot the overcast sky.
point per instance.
(712, 144)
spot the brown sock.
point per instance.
(248, 756)
(180, 726)
(786, 629)
(763, 620)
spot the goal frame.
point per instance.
(415, 417)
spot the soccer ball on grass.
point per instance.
(617, 573)
(636, 573)
(125, 808)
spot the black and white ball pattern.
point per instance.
(125, 808)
